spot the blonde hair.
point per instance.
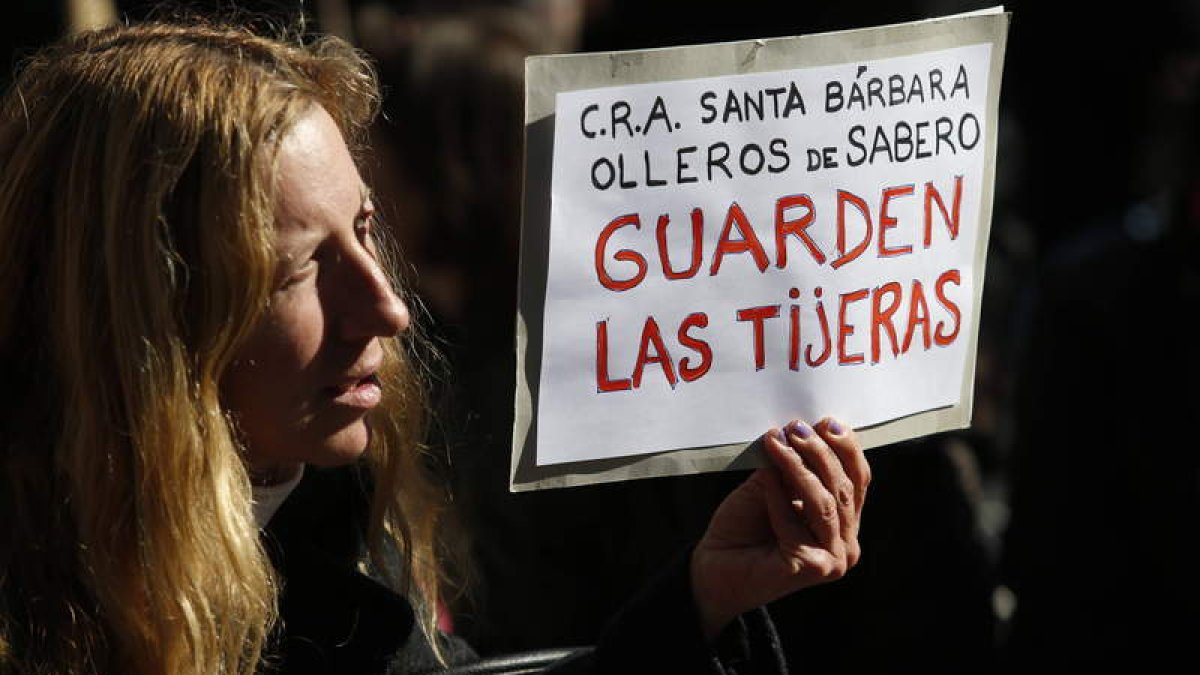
(136, 202)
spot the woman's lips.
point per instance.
(365, 393)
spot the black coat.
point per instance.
(336, 619)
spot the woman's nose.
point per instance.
(373, 308)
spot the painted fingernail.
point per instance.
(801, 429)
(836, 428)
(778, 434)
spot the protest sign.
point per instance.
(721, 238)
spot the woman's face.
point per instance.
(300, 389)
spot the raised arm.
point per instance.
(792, 524)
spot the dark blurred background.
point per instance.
(1058, 530)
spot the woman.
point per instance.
(193, 310)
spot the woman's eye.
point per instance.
(300, 274)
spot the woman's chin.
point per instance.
(337, 447)
(342, 448)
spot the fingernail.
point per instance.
(836, 428)
(778, 434)
(801, 429)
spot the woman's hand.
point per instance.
(791, 525)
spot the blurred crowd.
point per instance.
(1066, 509)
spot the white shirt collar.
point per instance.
(267, 499)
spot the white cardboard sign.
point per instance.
(773, 234)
